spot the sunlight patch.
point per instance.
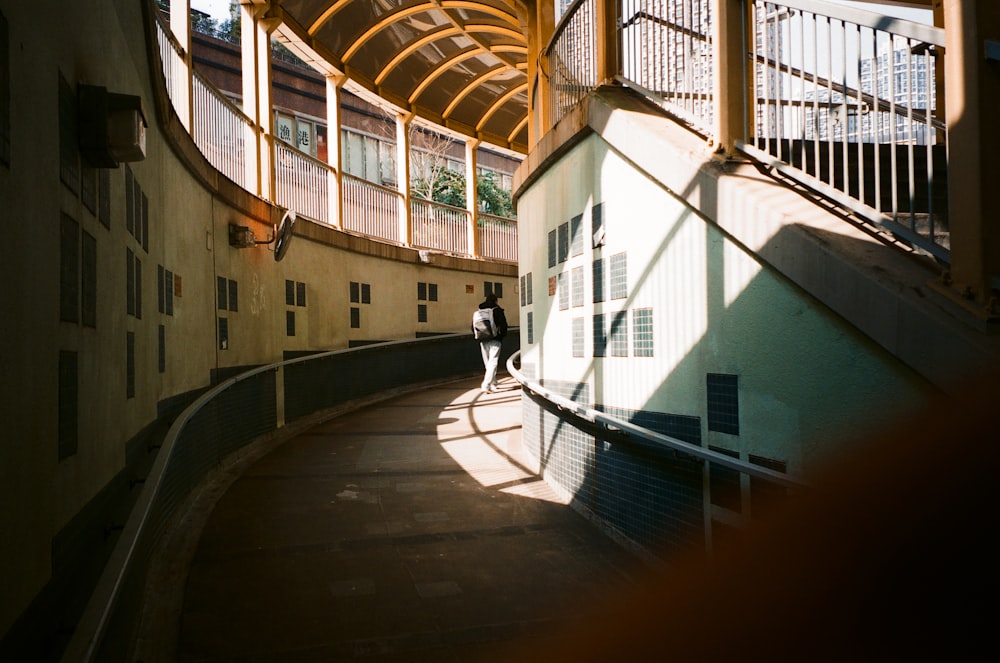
(536, 490)
(483, 463)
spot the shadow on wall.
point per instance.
(889, 558)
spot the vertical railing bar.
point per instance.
(817, 156)
(892, 126)
(831, 134)
(801, 115)
(845, 98)
(929, 142)
(910, 137)
(860, 122)
(876, 123)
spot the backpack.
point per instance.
(483, 326)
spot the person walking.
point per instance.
(489, 325)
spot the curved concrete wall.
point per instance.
(75, 407)
(807, 382)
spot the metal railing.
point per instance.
(439, 226)
(302, 182)
(221, 131)
(223, 134)
(640, 484)
(666, 51)
(226, 419)
(840, 99)
(572, 58)
(497, 237)
(370, 209)
(844, 100)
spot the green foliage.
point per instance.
(492, 198)
(448, 188)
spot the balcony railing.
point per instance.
(222, 132)
(371, 209)
(440, 227)
(840, 99)
(497, 237)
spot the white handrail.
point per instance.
(612, 423)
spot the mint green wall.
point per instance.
(808, 381)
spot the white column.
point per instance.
(403, 176)
(472, 194)
(334, 148)
(180, 93)
(256, 59)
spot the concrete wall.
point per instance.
(49, 506)
(809, 382)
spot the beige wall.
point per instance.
(104, 44)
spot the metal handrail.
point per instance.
(657, 439)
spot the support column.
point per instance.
(728, 54)
(973, 92)
(256, 27)
(541, 25)
(334, 149)
(606, 34)
(403, 177)
(180, 92)
(472, 194)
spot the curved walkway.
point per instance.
(411, 530)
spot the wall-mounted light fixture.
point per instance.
(112, 126)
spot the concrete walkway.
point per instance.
(411, 530)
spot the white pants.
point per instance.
(491, 358)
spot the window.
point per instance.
(361, 293)
(600, 336)
(164, 290)
(223, 333)
(598, 278)
(642, 332)
(233, 296)
(69, 152)
(577, 337)
(577, 285)
(432, 292)
(576, 235)
(597, 220)
(619, 334)
(289, 293)
(161, 348)
(421, 312)
(300, 294)
(531, 327)
(289, 323)
(422, 291)
(564, 242)
(619, 276)
(222, 293)
(723, 403)
(563, 287)
(553, 261)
